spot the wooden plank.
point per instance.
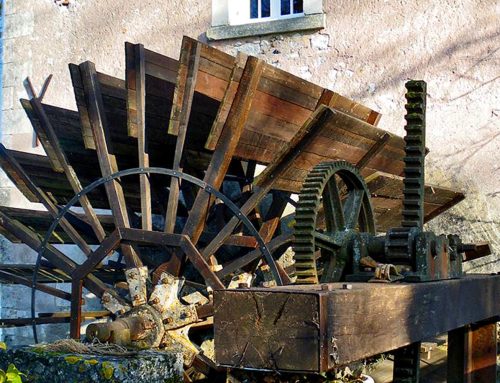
(107, 161)
(19, 322)
(39, 286)
(179, 119)
(265, 181)
(16, 173)
(390, 315)
(136, 123)
(49, 139)
(151, 237)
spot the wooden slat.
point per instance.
(48, 137)
(16, 173)
(227, 101)
(136, 122)
(179, 119)
(374, 150)
(86, 129)
(107, 161)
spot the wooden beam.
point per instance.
(265, 181)
(17, 174)
(107, 161)
(179, 119)
(374, 150)
(19, 322)
(151, 237)
(86, 129)
(50, 143)
(390, 315)
(39, 286)
(136, 122)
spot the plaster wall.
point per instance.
(366, 52)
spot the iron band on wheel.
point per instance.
(167, 172)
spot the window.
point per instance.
(254, 11)
(240, 18)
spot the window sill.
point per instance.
(307, 22)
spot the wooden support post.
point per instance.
(76, 309)
(179, 119)
(266, 179)
(107, 161)
(136, 122)
(472, 352)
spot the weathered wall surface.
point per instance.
(366, 52)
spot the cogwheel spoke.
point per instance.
(352, 208)
(334, 215)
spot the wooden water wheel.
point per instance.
(154, 180)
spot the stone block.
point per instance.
(144, 367)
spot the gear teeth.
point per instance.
(305, 218)
(414, 159)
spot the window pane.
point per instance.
(254, 9)
(266, 8)
(285, 7)
(298, 6)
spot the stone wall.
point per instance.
(366, 52)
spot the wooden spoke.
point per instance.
(266, 180)
(136, 122)
(18, 175)
(76, 308)
(51, 145)
(352, 208)
(200, 264)
(222, 155)
(232, 266)
(179, 118)
(107, 161)
(39, 286)
(54, 256)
